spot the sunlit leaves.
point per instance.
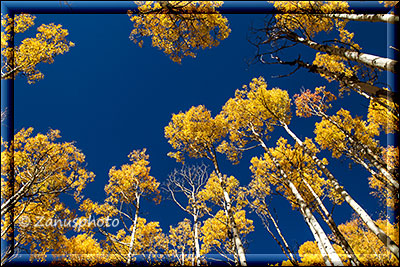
(254, 111)
(365, 244)
(131, 180)
(179, 28)
(308, 103)
(194, 133)
(43, 169)
(49, 41)
(383, 116)
(328, 136)
(217, 233)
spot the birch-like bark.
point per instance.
(196, 261)
(326, 248)
(130, 252)
(266, 215)
(326, 216)
(386, 240)
(372, 61)
(387, 18)
(228, 208)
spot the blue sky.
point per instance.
(111, 97)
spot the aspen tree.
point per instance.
(196, 134)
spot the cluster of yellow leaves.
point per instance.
(194, 133)
(328, 136)
(365, 244)
(380, 115)
(308, 103)
(82, 250)
(150, 241)
(132, 180)
(179, 28)
(48, 42)
(388, 3)
(215, 231)
(299, 14)
(298, 167)
(49, 168)
(391, 157)
(213, 191)
(253, 109)
(50, 165)
(181, 242)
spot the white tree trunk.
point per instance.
(130, 252)
(332, 225)
(386, 240)
(196, 239)
(228, 209)
(373, 61)
(326, 248)
(387, 18)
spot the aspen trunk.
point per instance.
(130, 252)
(285, 246)
(196, 239)
(228, 208)
(332, 225)
(372, 61)
(387, 18)
(386, 240)
(326, 248)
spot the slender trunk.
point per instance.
(228, 208)
(375, 160)
(387, 18)
(130, 253)
(386, 240)
(326, 216)
(328, 252)
(372, 61)
(285, 247)
(196, 261)
(373, 172)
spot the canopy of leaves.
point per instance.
(179, 28)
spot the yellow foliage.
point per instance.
(49, 41)
(328, 136)
(382, 116)
(179, 28)
(253, 111)
(368, 249)
(215, 231)
(299, 14)
(298, 167)
(194, 133)
(132, 180)
(386, 196)
(83, 250)
(49, 168)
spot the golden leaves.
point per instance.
(179, 28)
(194, 133)
(48, 42)
(133, 180)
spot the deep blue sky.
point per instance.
(111, 97)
